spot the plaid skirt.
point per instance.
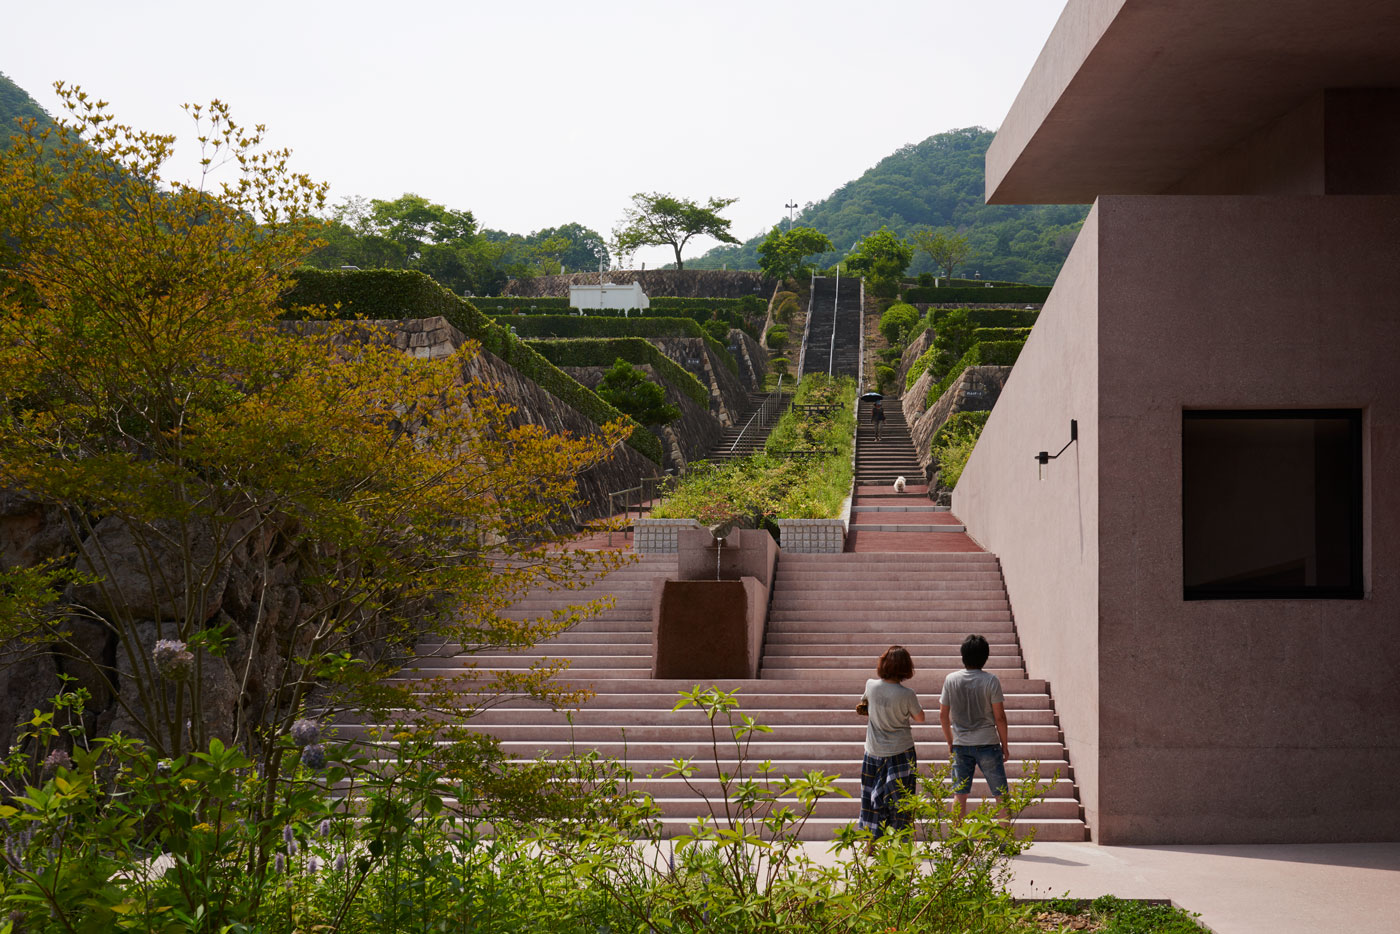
(883, 780)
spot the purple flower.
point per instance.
(340, 862)
(313, 757)
(305, 732)
(313, 864)
(173, 660)
(288, 836)
(57, 759)
(325, 828)
(279, 863)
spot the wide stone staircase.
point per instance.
(878, 463)
(832, 616)
(835, 311)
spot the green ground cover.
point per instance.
(774, 484)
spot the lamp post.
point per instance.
(791, 206)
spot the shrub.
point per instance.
(780, 365)
(987, 317)
(988, 335)
(588, 351)
(898, 321)
(404, 293)
(998, 353)
(1011, 294)
(628, 388)
(885, 377)
(788, 310)
(952, 444)
(718, 330)
(926, 280)
(777, 338)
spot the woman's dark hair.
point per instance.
(895, 664)
(975, 651)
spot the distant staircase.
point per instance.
(751, 433)
(832, 341)
(878, 463)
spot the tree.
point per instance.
(628, 389)
(582, 247)
(783, 255)
(882, 257)
(946, 248)
(251, 510)
(662, 220)
(777, 338)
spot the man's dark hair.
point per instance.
(975, 651)
(895, 664)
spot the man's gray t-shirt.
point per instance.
(891, 708)
(969, 695)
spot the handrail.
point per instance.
(807, 324)
(657, 485)
(835, 306)
(762, 414)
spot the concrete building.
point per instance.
(1208, 574)
(608, 295)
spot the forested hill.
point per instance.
(936, 183)
(16, 104)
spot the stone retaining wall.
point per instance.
(976, 390)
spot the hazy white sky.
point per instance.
(533, 113)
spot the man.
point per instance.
(972, 712)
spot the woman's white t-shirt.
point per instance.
(892, 707)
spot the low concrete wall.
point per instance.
(813, 536)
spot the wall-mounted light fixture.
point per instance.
(1045, 457)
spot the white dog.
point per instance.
(899, 484)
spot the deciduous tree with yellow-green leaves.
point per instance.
(284, 508)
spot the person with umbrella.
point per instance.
(877, 411)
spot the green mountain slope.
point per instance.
(936, 183)
(16, 104)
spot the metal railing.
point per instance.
(647, 493)
(766, 415)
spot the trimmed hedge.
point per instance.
(995, 353)
(398, 294)
(510, 304)
(603, 351)
(988, 317)
(1014, 294)
(989, 335)
(535, 326)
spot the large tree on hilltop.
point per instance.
(663, 220)
(947, 248)
(783, 255)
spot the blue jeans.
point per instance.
(986, 758)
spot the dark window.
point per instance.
(1271, 504)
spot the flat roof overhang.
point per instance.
(1128, 96)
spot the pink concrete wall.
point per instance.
(1046, 531)
(1244, 720)
(1204, 721)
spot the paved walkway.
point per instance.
(1348, 888)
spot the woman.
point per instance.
(877, 417)
(888, 770)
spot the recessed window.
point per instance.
(1271, 504)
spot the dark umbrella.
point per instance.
(871, 397)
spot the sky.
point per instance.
(535, 113)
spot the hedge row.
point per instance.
(700, 315)
(406, 293)
(989, 335)
(1014, 294)
(996, 353)
(603, 351)
(988, 317)
(749, 304)
(532, 326)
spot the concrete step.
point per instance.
(593, 714)
(819, 829)
(635, 734)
